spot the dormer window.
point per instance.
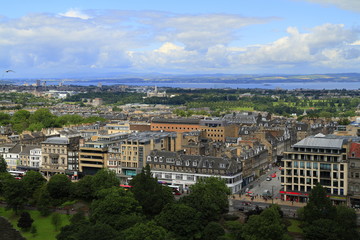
(155, 159)
(178, 162)
(148, 159)
(195, 163)
(187, 163)
(161, 159)
(222, 165)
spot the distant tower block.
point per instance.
(44, 84)
(61, 83)
(99, 85)
(38, 83)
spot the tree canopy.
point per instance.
(151, 195)
(209, 196)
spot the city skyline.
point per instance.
(92, 38)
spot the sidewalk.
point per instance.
(260, 199)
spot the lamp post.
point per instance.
(272, 194)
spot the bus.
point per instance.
(17, 174)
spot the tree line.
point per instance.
(41, 118)
(148, 210)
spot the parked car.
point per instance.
(268, 179)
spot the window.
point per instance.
(178, 176)
(187, 162)
(315, 165)
(178, 162)
(155, 159)
(161, 159)
(295, 164)
(194, 163)
(190, 177)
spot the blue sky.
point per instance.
(72, 38)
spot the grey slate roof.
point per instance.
(56, 140)
(321, 141)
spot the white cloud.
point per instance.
(73, 13)
(323, 45)
(113, 41)
(352, 5)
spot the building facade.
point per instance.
(316, 159)
(184, 170)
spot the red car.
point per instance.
(273, 175)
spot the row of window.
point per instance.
(53, 150)
(314, 165)
(309, 173)
(187, 162)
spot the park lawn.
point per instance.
(295, 226)
(45, 230)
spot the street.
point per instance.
(259, 186)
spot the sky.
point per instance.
(74, 38)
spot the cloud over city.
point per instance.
(148, 41)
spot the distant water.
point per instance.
(272, 85)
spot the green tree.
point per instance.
(14, 194)
(20, 120)
(59, 187)
(213, 231)
(71, 231)
(266, 226)
(234, 228)
(4, 119)
(115, 207)
(180, 219)
(85, 230)
(32, 181)
(321, 229)
(147, 231)
(35, 127)
(43, 200)
(344, 121)
(84, 189)
(3, 165)
(208, 196)
(25, 221)
(56, 221)
(4, 178)
(43, 116)
(103, 179)
(319, 205)
(151, 195)
(346, 223)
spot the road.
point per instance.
(260, 185)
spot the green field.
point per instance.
(45, 230)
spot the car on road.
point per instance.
(273, 175)
(268, 179)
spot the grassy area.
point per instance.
(242, 109)
(295, 226)
(45, 230)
